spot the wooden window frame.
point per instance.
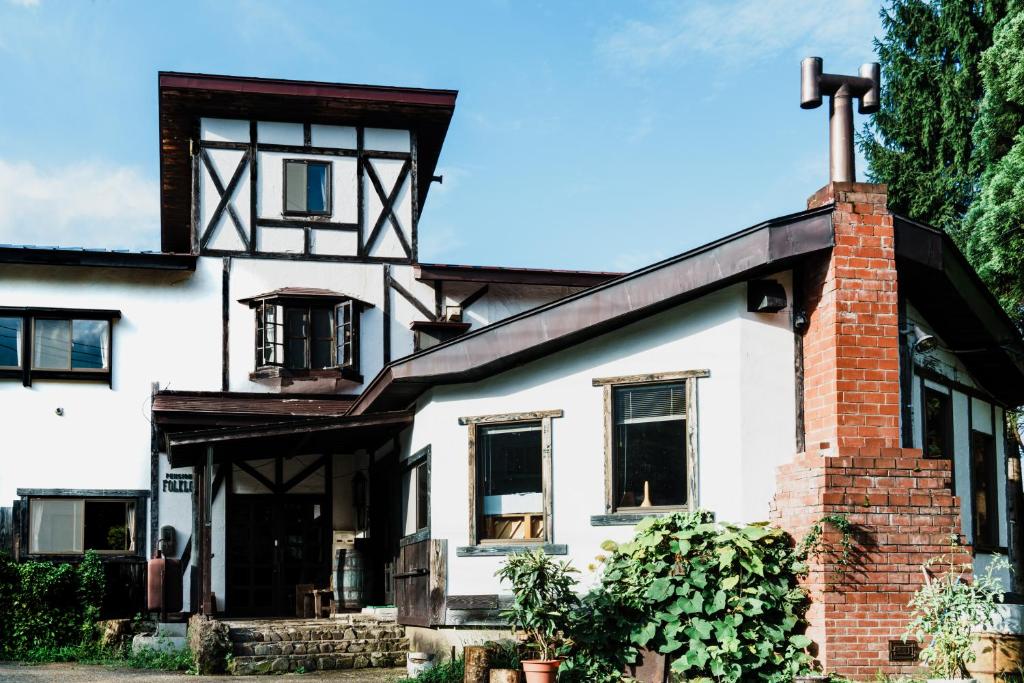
(264, 370)
(137, 496)
(27, 372)
(950, 434)
(420, 458)
(692, 451)
(992, 480)
(328, 200)
(479, 546)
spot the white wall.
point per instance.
(750, 358)
(102, 441)
(501, 300)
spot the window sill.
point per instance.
(99, 376)
(349, 374)
(630, 518)
(500, 549)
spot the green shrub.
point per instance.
(45, 606)
(543, 599)
(721, 600)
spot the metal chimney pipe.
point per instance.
(840, 90)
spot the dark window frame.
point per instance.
(26, 370)
(503, 546)
(137, 496)
(412, 466)
(339, 308)
(691, 442)
(328, 199)
(985, 539)
(948, 435)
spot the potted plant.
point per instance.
(505, 661)
(543, 596)
(947, 609)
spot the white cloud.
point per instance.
(743, 31)
(89, 204)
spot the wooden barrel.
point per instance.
(353, 579)
(997, 656)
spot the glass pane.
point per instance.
(316, 187)
(294, 186)
(650, 446)
(937, 427)
(89, 344)
(55, 526)
(986, 498)
(422, 495)
(320, 352)
(106, 525)
(323, 320)
(297, 329)
(408, 502)
(511, 480)
(51, 348)
(10, 342)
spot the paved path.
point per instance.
(82, 673)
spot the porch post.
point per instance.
(207, 533)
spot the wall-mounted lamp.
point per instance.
(920, 341)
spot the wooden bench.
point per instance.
(314, 602)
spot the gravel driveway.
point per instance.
(82, 673)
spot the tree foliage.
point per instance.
(993, 232)
(920, 143)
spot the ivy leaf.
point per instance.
(729, 582)
(660, 589)
(800, 641)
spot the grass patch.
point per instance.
(124, 658)
(449, 672)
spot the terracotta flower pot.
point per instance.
(541, 670)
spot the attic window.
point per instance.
(307, 187)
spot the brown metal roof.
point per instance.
(95, 258)
(303, 293)
(180, 409)
(344, 434)
(438, 272)
(769, 246)
(185, 97)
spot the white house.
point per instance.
(285, 375)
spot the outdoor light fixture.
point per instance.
(922, 341)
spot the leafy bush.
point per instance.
(45, 605)
(721, 600)
(504, 654)
(947, 608)
(543, 597)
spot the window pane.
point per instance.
(649, 460)
(51, 348)
(511, 481)
(294, 186)
(89, 344)
(55, 526)
(937, 427)
(422, 495)
(10, 342)
(323, 321)
(296, 322)
(322, 345)
(106, 525)
(316, 187)
(985, 496)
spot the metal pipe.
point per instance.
(840, 132)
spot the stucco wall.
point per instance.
(750, 359)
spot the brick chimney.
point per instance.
(899, 503)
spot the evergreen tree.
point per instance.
(919, 143)
(994, 229)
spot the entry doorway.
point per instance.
(278, 533)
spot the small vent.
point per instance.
(903, 652)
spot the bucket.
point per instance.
(353, 579)
(418, 662)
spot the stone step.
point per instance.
(306, 632)
(315, 647)
(247, 666)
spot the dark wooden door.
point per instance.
(274, 542)
(420, 583)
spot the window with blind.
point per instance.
(649, 467)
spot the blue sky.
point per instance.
(588, 133)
